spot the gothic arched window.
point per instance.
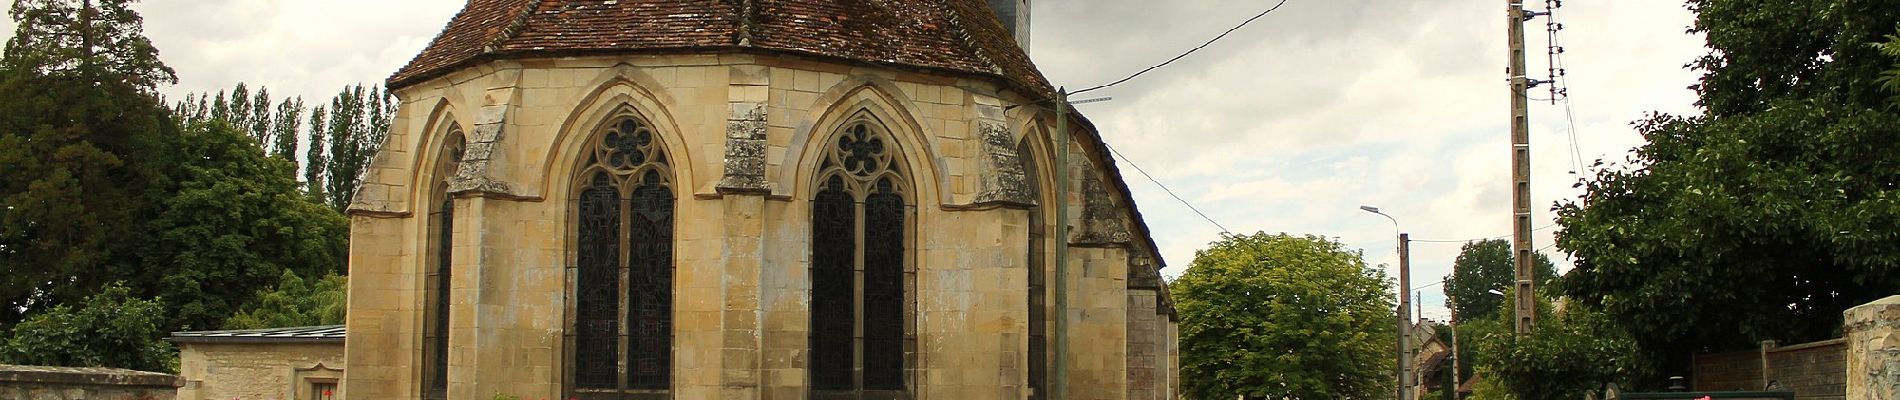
(859, 340)
(1038, 278)
(622, 286)
(435, 311)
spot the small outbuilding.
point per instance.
(302, 363)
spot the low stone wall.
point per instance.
(19, 382)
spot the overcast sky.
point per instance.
(1286, 126)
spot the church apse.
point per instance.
(670, 215)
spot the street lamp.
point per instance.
(1405, 306)
(1455, 371)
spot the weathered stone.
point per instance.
(1143, 273)
(1873, 350)
(1101, 222)
(745, 150)
(25, 382)
(1003, 179)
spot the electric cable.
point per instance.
(1553, 224)
(1190, 51)
(1164, 188)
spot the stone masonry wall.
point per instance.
(1143, 333)
(222, 371)
(19, 382)
(739, 131)
(1873, 350)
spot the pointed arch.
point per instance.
(623, 192)
(438, 269)
(442, 120)
(863, 333)
(861, 97)
(621, 90)
(1030, 151)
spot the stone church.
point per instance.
(744, 199)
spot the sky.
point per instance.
(1287, 125)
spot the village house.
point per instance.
(304, 363)
(744, 199)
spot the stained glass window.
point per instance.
(859, 212)
(435, 334)
(623, 266)
(1038, 277)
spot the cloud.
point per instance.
(1291, 123)
(302, 48)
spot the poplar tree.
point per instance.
(314, 159)
(286, 123)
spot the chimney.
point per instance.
(1015, 15)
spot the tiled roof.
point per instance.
(960, 36)
(327, 333)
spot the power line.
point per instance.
(1563, 75)
(1164, 188)
(1190, 51)
(1553, 224)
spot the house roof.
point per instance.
(961, 37)
(302, 334)
(957, 36)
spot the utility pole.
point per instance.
(1520, 166)
(1059, 389)
(1405, 316)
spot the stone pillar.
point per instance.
(740, 346)
(1873, 350)
(1142, 336)
(743, 190)
(1098, 330)
(1174, 356)
(1144, 298)
(383, 308)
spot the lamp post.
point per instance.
(1405, 307)
(1455, 371)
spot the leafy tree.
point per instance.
(98, 41)
(1580, 344)
(110, 329)
(1890, 80)
(1280, 316)
(1486, 265)
(234, 223)
(1771, 212)
(81, 138)
(295, 302)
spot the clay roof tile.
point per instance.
(961, 36)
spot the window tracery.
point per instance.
(622, 323)
(860, 212)
(435, 334)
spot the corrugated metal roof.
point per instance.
(326, 333)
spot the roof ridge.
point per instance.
(956, 21)
(748, 9)
(513, 28)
